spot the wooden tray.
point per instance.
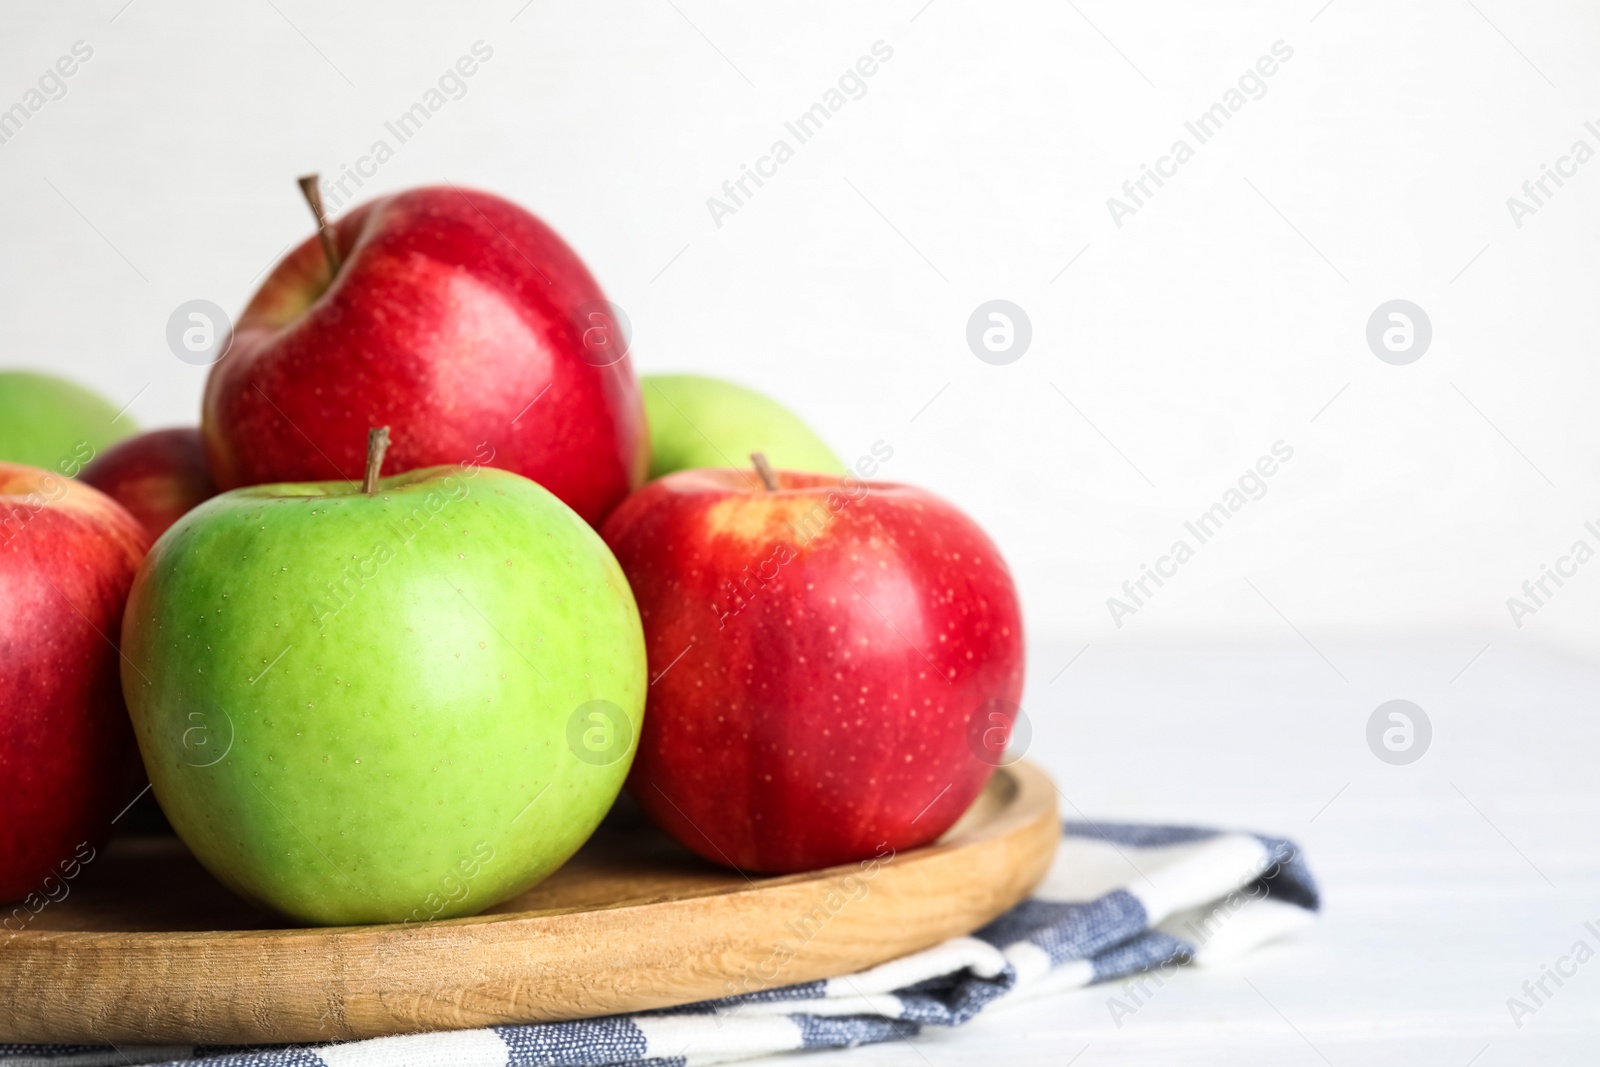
(148, 948)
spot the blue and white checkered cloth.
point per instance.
(1119, 901)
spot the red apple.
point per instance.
(824, 657)
(157, 476)
(67, 557)
(455, 318)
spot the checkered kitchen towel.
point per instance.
(1119, 899)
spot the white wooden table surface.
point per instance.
(1447, 883)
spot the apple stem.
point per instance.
(313, 194)
(377, 445)
(764, 470)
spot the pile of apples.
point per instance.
(435, 578)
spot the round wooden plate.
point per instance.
(148, 948)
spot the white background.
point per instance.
(1192, 338)
(1227, 314)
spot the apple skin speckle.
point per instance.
(68, 554)
(353, 720)
(762, 644)
(451, 314)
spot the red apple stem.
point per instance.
(377, 445)
(764, 471)
(313, 194)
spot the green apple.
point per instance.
(52, 423)
(707, 422)
(396, 706)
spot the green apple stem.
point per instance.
(313, 194)
(764, 470)
(377, 445)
